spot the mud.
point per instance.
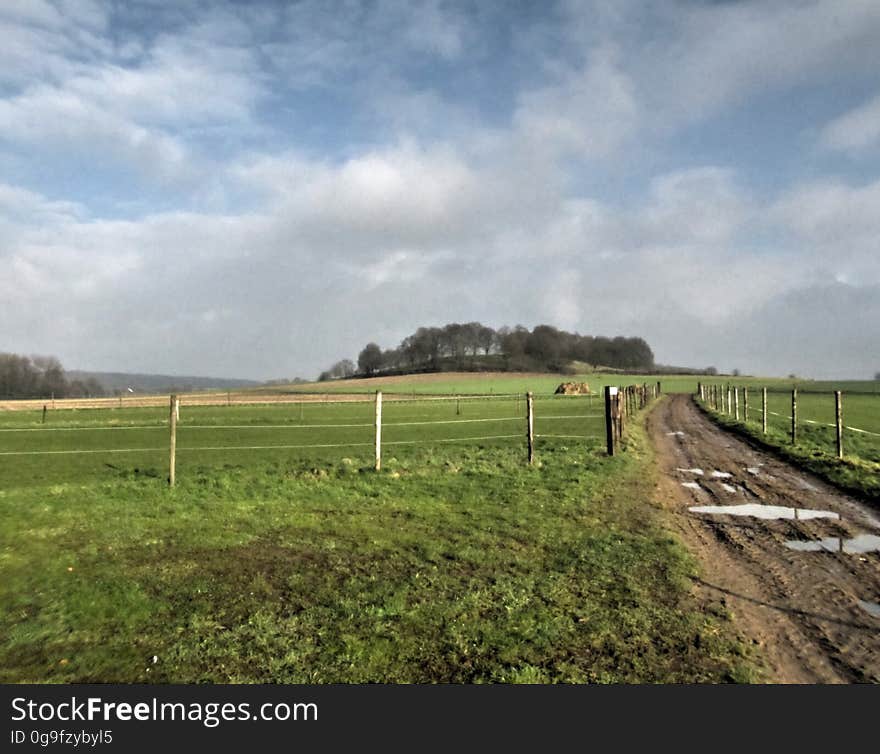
(806, 608)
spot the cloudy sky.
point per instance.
(258, 189)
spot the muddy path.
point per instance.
(805, 588)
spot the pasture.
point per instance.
(283, 556)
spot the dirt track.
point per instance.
(802, 607)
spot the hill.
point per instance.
(114, 382)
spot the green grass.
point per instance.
(456, 563)
(95, 445)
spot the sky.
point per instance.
(258, 189)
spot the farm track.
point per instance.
(802, 608)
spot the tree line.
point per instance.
(41, 377)
(473, 346)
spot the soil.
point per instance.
(802, 607)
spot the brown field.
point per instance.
(418, 379)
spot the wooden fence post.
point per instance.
(378, 430)
(736, 400)
(794, 416)
(172, 445)
(530, 427)
(44, 413)
(838, 416)
(729, 400)
(619, 415)
(609, 421)
(764, 410)
(745, 405)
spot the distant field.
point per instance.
(484, 383)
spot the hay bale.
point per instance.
(573, 388)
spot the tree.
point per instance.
(877, 376)
(370, 359)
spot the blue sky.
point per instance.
(259, 189)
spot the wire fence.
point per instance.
(833, 422)
(39, 444)
(43, 444)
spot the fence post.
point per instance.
(619, 415)
(838, 415)
(659, 388)
(378, 430)
(745, 405)
(609, 421)
(794, 416)
(729, 400)
(172, 445)
(736, 400)
(530, 427)
(44, 413)
(764, 410)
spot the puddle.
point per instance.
(753, 470)
(871, 608)
(728, 487)
(857, 545)
(691, 471)
(768, 512)
(691, 485)
(806, 485)
(722, 474)
(675, 434)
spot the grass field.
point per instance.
(457, 563)
(101, 444)
(476, 383)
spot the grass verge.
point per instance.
(856, 476)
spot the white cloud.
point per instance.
(855, 130)
(589, 112)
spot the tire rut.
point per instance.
(802, 607)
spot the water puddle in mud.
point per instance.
(871, 608)
(768, 512)
(722, 474)
(691, 485)
(728, 487)
(753, 470)
(691, 471)
(675, 434)
(857, 545)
